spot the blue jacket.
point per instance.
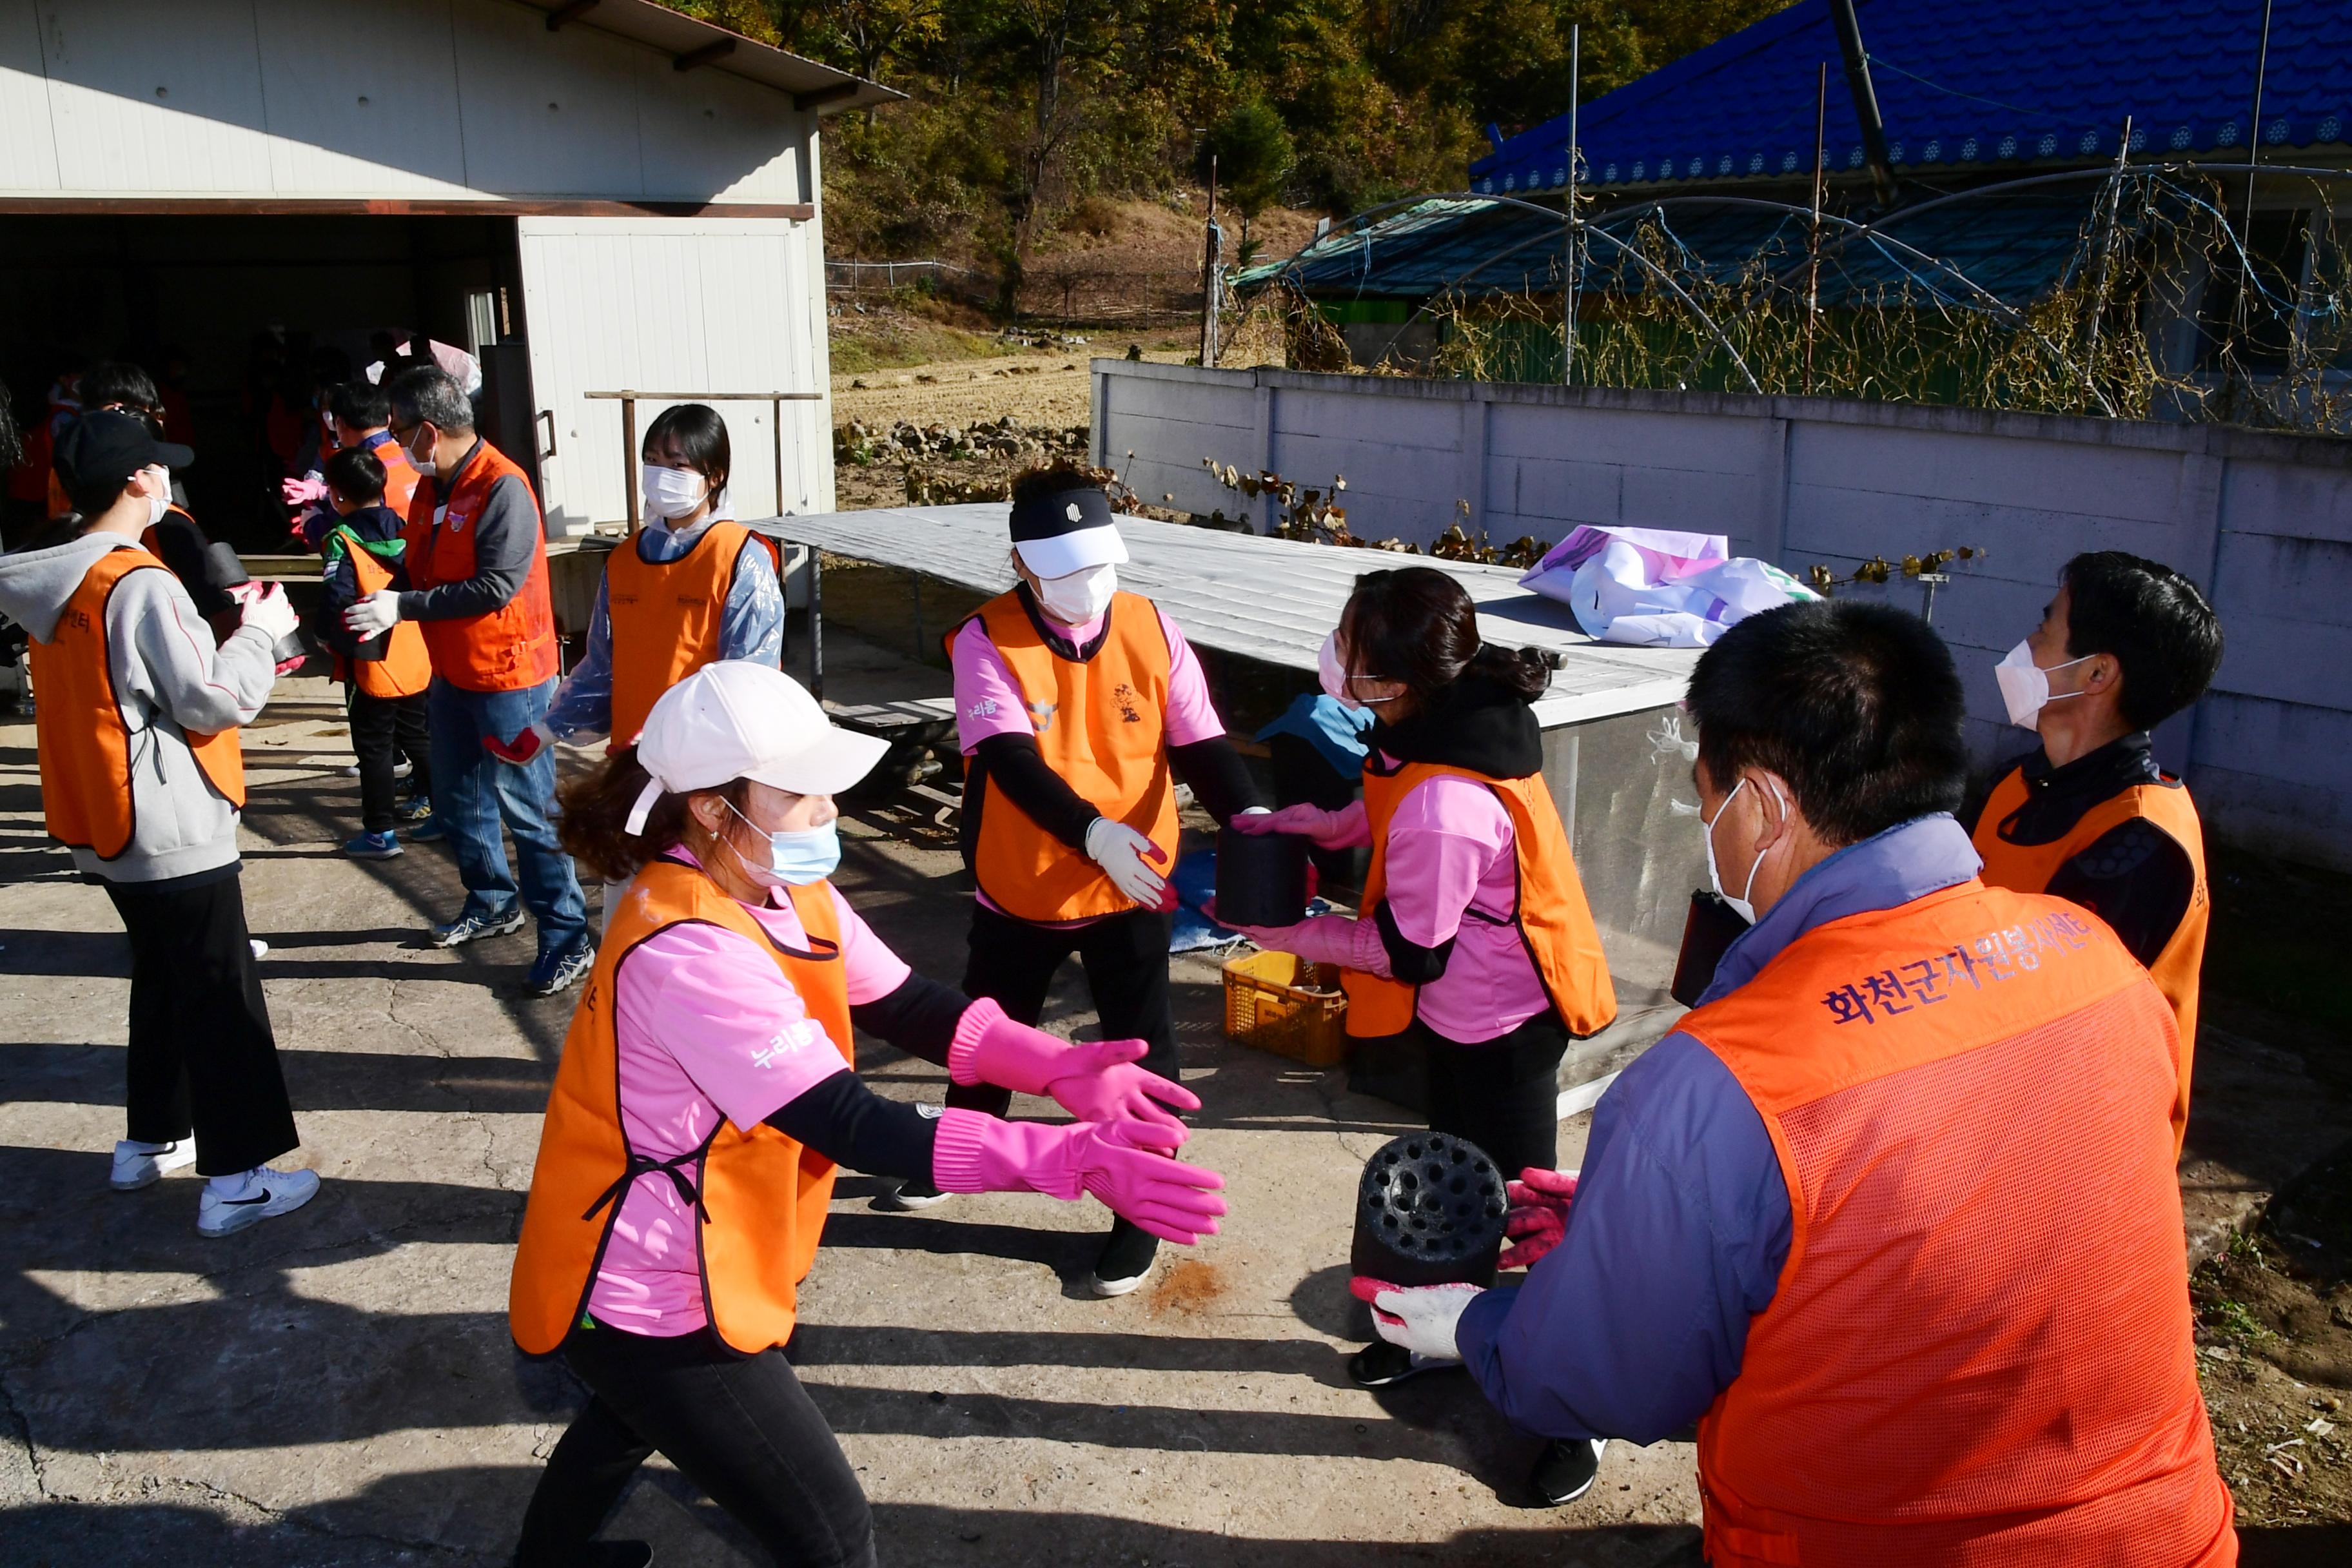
(1639, 1318)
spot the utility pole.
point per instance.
(1866, 102)
(1567, 278)
(2255, 141)
(1213, 274)
(1814, 241)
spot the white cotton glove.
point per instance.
(1121, 852)
(268, 608)
(1422, 1318)
(374, 615)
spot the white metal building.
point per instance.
(592, 195)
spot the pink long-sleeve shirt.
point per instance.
(708, 1029)
(1451, 850)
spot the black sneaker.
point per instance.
(1565, 1469)
(612, 1554)
(909, 1196)
(562, 968)
(1125, 1259)
(1381, 1363)
(475, 925)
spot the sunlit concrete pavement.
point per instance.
(338, 1387)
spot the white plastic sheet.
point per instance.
(1655, 587)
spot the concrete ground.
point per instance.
(338, 1387)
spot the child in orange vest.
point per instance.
(388, 673)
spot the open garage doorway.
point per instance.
(242, 317)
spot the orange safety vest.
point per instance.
(2028, 868)
(1980, 1350)
(1101, 726)
(666, 620)
(511, 649)
(400, 476)
(1554, 920)
(80, 738)
(406, 667)
(762, 1196)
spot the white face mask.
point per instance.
(1334, 676)
(1081, 597)
(672, 492)
(2025, 685)
(1741, 904)
(423, 465)
(161, 502)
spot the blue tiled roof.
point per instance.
(1962, 84)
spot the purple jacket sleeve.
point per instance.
(1637, 1320)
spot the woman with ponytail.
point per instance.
(1474, 937)
(706, 1092)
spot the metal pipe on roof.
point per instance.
(1866, 101)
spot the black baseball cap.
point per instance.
(108, 446)
(1066, 531)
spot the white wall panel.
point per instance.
(2263, 522)
(154, 96)
(357, 99)
(667, 306)
(28, 150)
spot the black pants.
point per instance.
(379, 726)
(1126, 960)
(741, 1427)
(1503, 1095)
(202, 1057)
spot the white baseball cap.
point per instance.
(737, 719)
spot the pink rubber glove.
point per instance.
(1539, 1216)
(303, 491)
(1094, 1080)
(1320, 938)
(1324, 829)
(975, 1153)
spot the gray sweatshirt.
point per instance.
(168, 679)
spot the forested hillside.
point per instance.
(1024, 110)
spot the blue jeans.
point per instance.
(472, 791)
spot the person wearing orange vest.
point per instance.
(175, 539)
(386, 679)
(691, 587)
(2089, 816)
(1892, 1214)
(141, 777)
(1476, 942)
(474, 570)
(707, 1094)
(1076, 705)
(357, 415)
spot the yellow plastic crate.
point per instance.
(1279, 1002)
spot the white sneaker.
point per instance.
(261, 948)
(267, 1195)
(352, 772)
(136, 1165)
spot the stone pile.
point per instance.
(1005, 440)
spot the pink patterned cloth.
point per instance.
(988, 697)
(708, 1029)
(1449, 849)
